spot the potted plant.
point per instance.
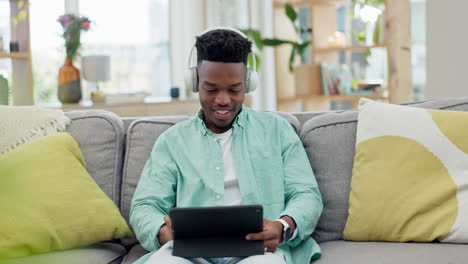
(302, 72)
(69, 90)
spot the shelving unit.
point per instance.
(347, 48)
(15, 55)
(323, 20)
(22, 78)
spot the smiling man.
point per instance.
(229, 155)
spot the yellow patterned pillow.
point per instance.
(49, 202)
(410, 175)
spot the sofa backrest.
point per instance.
(100, 136)
(329, 141)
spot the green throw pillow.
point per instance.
(49, 202)
(410, 175)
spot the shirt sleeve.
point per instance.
(303, 201)
(154, 196)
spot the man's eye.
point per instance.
(210, 91)
(236, 91)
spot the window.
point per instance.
(134, 34)
(48, 52)
(136, 37)
(418, 47)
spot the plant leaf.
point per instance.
(367, 52)
(22, 15)
(291, 58)
(255, 35)
(250, 61)
(361, 37)
(291, 13)
(257, 38)
(276, 42)
(301, 47)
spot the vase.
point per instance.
(69, 89)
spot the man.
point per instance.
(229, 155)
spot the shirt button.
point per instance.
(217, 168)
(218, 197)
(215, 139)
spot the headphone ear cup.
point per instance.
(191, 79)
(252, 81)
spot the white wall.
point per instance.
(447, 48)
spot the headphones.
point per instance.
(191, 79)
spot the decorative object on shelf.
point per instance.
(14, 46)
(69, 90)
(1, 44)
(337, 40)
(69, 76)
(336, 78)
(96, 69)
(175, 92)
(3, 90)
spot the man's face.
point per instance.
(221, 87)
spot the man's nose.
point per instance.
(222, 98)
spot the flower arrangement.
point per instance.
(72, 27)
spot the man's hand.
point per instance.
(271, 235)
(165, 233)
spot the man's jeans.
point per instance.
(164, 255)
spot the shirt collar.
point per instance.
(239, 121)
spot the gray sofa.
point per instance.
(116, 150)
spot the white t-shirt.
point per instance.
(232, 195)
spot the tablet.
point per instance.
(216, 231)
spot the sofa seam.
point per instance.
(116, 146)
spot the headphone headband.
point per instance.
(222, 28)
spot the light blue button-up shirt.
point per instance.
(185, 169)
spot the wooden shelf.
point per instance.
(348, 48)
(15, 55)
(281, 4)
(330, 98)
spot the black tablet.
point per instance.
(216, 231)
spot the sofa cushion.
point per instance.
(99, 253)
(329, 141)
(141, 136)
(49, 202)
(409, 169)
(100, 136)
(134, 254)
(337, 252)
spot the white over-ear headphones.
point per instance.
(191, 79)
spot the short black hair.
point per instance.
(222, 45)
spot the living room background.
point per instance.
(142, 46)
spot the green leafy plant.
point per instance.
(22, 8)
(298, 47)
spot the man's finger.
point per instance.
(271, 249)
(260, 236)
(271, 242)
(167, 220)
